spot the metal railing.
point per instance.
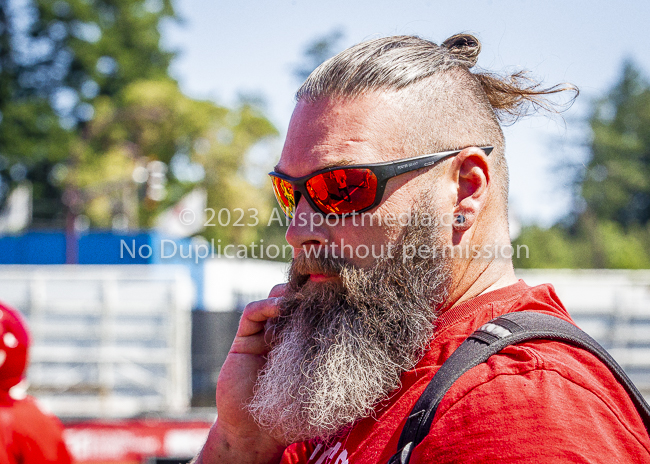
(108, 341)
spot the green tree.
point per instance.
(89, 112)
(616, 182)
(610, 225)
(57, 58)
(199, 144)
(31, 138)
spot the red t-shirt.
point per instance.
(538, 402)
(28, 435)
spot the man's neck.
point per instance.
(475, 281)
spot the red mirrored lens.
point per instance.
(343, 191)
(285, 196)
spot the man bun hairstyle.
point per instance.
(511, 96)
(399, 61)
(444, 104)
(465, 47)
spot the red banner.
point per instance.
(132, 441)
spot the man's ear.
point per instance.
(472, 174)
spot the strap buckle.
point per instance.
(402, 456)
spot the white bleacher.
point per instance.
(114, 341)
(108, 341)
(613, 306)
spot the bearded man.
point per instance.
(327, 369)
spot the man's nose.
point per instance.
(307, 228)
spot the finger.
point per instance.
(255, 316)
(269, 334)
(254, 344)
(278, 291)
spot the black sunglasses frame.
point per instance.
(382, 171)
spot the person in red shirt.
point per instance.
(387, 282)
(537, 402)
(27, 434)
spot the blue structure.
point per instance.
(105, 248)
(33, 248)
(110, 248)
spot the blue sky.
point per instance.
(246, 46)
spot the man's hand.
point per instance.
(235, 437)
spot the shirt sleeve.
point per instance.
(538, 416)
(37, 436)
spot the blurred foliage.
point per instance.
(202, 144)
(88, 112)
(590, 245)
(610, 225)
(56, 59)
(616, 182)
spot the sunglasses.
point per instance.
(348, 190)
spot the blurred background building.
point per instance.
(135, 217)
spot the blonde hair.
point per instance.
(448, 106)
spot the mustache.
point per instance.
(304, 299)
(302, 266)
(339, 346)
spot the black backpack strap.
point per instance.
(491, 338)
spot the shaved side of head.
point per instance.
(449, 110)
(442, 104)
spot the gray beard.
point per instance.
(339, 349)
